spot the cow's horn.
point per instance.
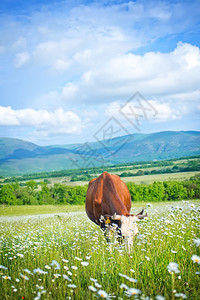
(116, 217)
(140, 213)
(140, 217)
(102, 218)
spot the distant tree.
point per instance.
(156, 191)
(7, 195)
(32, 185)
(25, 197)
(140, 173)
(174, 190)
(44, 195)
(59, 192)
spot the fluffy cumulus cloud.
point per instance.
(153, 73)
(169, 80)
(57, 122)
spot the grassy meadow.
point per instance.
(23, 210)
(66, 256)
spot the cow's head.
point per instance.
(126, 226)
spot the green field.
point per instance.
(181, 176)
(67, 257)
(147, 179)
(24, 210)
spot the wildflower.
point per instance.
(77, 258)
(65, 260)
(72, 286)
(56, 275)
(180, 295)
(196, 259)
(2, 267)
(66, 268)
(17, 280)
(124, 276)
(85, 263)
(47, 267)
(197, 242)
(173, 267)
(92, 288)
(98, 285)
(132, 279)
(38, 296)
(148, 205)
(124, 286)
(192, 206)
(66, 277)
(39, 287)
(87, 257)
(39, 271)
(132, 291)
(147, 258)
(28, 271)
(69, 273)
(102, 294)
(20, 255)
(159, 297)
(92, 279)
(24, 276)
(6, 277)
(74, 268)
(133, 271)
(56, 264)
(173, 251)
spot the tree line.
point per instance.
(34, 193)
(83, 173)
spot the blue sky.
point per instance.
(67, 67)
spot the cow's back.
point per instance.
(107, 195)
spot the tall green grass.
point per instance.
(82, 255)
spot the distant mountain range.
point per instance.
(18, 157)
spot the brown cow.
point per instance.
(108, 203)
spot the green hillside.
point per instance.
(19, 157)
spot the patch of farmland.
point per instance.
(147, 179)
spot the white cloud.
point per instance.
(8, 116)
(69, 91)
(152, 74)
(21, 59)
(154, 111)
(89, 34)
(59, 121)
(160, 109)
